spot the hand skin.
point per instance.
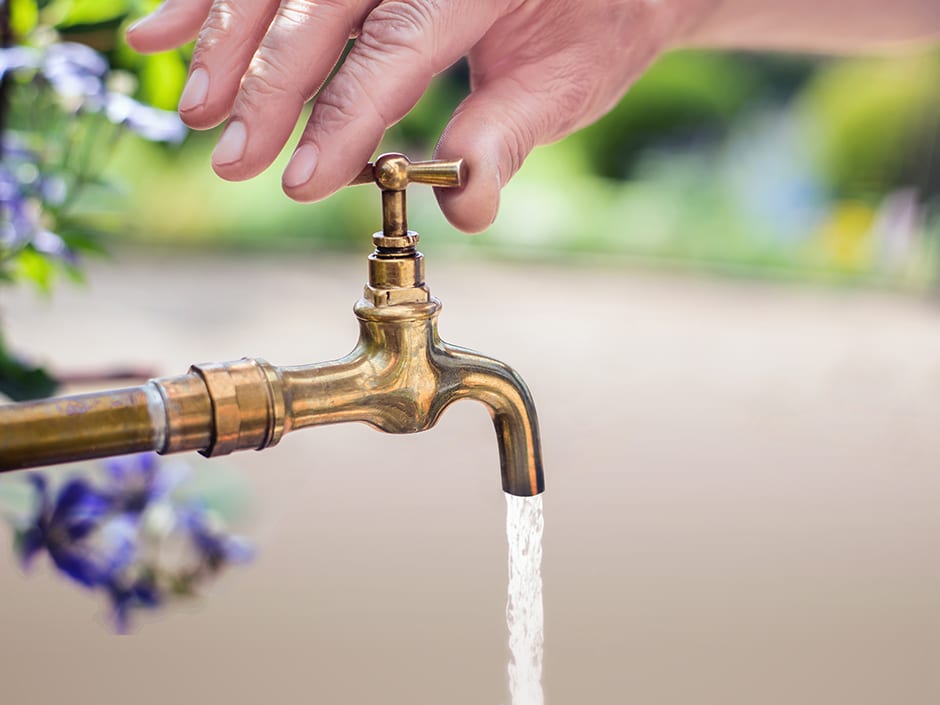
(540, 70)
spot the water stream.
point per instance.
(524, 617)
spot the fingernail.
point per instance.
(196, 90)
(301, 166)
(138, 24)
(231, 145)
(146, 18)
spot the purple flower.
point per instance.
(135, 539)
(20, 213)
(136, 481)
(126, 595)
(49, 243)
(53, 189)
(75, 528)
(150, 123)
(214, 547)
(76, 71)
(19, 219)
(18, 58)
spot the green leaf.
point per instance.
(23, 16)
(89, 12)
(161, 79)
(84, 240)
(35, 267)
(21, 381)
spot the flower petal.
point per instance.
(19, 57)
(77, 566)
(79, 509)
(150, 123)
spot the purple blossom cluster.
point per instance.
(31, 190)
(25, 193)
(135, 538)
(78, 75)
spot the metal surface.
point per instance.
(393, 172)
(81, 426)
(399, 378)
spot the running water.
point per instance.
(524, 609)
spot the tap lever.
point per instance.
(392, 173)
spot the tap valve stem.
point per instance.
(396, 268)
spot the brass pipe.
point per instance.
(81, 426)
(399, 378)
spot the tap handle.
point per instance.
(393, 172)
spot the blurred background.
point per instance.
(726, 313)
(820, 169)
(771, 166)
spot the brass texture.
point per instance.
(81, 426)
(399, 378)
(393, 172)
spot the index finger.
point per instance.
(173, 24)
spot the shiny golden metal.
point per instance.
(399, 378)
(392, 173)
(81, 426)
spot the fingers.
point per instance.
(301, 44)
(227, 41)
(496, 128)
(403, 44)
(173, 24)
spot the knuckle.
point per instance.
(399, 24)
(299, 12)
(335, 108)
(265, 80)
(223, 15)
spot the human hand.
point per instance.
(540, 69)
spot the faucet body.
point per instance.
(399, 378)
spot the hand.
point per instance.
(540, 69)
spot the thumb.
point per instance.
(494, 129)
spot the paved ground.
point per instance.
(742, 506)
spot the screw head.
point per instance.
(391, 171)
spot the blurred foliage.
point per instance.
(101, 24)
(823, 168)
(690, 98)
(20, 379)
(65, 104)
(876, 122)
(734, 162)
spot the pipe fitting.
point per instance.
(221, 407)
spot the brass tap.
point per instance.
(399, 378)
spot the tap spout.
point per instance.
(505, 395)
(401, 377)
